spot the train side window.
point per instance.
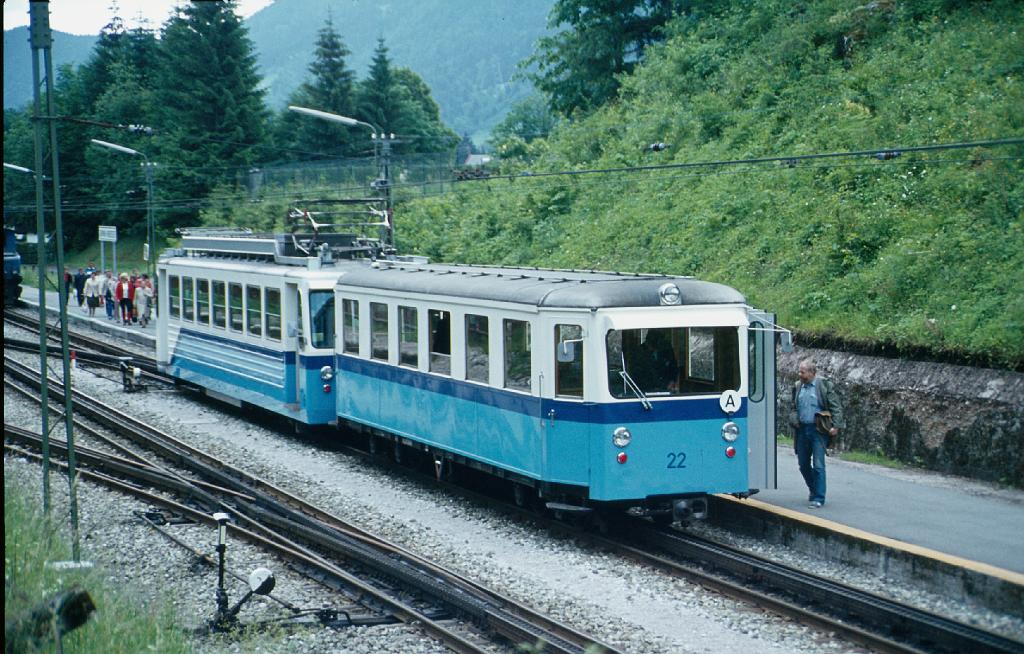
(203, 301)
(175, 297)
(440, 341)
(188, 296)
(321, 319)
(569, 361)
(235, 307)
(273, 313)
(408, 337)
(350, 326)
(379, 331)
(518, 366)
(477, 355)
(254, 310)
(220, 307)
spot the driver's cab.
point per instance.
(310, 329)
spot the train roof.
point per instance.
(542, 288)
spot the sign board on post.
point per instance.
(108, 233)
(145, 251)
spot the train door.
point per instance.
(761, 399)
(293, 304)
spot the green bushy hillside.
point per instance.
(922, 250)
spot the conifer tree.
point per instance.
(579, 67)
(378, 104)
(209, 100)
(330, 88)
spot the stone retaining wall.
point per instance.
(954, 419)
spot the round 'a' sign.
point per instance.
(730, 401)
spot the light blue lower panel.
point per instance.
(677, 448)
(497, 436)
(671, 458)
(262, 377)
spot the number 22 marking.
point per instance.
(676, 460)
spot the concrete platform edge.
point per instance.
(985, 585)
(30, 297)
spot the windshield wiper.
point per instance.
(632, 385)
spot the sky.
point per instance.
(89, 16)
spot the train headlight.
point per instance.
(327, 373)
(730, 431)
(621, 437)
(670, 294)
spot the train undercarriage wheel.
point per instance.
(523, 495)
(374, 446)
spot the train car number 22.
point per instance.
(676, 460)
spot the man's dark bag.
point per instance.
(823, 423)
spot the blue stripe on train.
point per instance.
(258, 375)
(678, 409)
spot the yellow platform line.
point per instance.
(916, 550)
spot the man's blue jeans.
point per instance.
(810, 454)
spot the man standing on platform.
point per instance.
(818, 417)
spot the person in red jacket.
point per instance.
(125, 295)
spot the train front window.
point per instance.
(673, 361)
(321, 319)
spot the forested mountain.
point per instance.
(67, 49)
(465, 51)
(903, 248)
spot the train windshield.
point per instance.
(321, 319)
(672, 361)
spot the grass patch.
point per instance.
(856, 456)
(120, 623)
(872, 459)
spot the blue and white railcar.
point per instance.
(585, 388)
(250, 319)
(12, 267)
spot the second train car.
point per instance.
(585, 389)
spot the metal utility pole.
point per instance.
(384, 181)
(41, 38)
(150, 225)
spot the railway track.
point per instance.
(865, 618)
(861, 617)
(78, 340)
(292, 528)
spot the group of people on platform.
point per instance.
(128, 298)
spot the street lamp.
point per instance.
(384, 164)
(150, 226)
